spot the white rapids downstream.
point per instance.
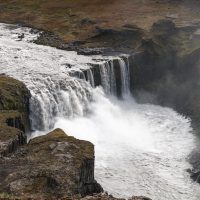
(140, 149)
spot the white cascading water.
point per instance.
(108, 78)
(50, 75)
(140, 149)
(90, 77)
(124, 69)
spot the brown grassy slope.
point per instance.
(66, 17)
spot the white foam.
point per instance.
(140, 149)
(46, 71)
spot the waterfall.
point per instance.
(108, 80)
(57, 98)
(113, 85)
(61, 82)
(90, 77)
(125, 77)
(108, 77)
(134, 144)
(64, 96)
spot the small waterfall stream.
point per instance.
(124, 70)
(140, 149)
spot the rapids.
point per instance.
(140, 149)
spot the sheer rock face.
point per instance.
(13, 95)
(14, 121)
(54, 165)
(14, 103)
(166, 71)
(10, 139)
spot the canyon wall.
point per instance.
(14, 111)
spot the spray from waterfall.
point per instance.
(54, 96)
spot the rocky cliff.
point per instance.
(14, 120)
(54, 165)
(50, 166)
(166, 71)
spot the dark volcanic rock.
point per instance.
(123, 40)
(10, 139)
(14, 108)
(110, 197)
(163, 27)
(90, 51)
(14, 97)
(50, 166)
(48, 38)
(139, 198)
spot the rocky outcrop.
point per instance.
(54, 166)
(13, 94)
(14, 121)
(14, 99)
(50, 166)
(110, 197)
(10, 139)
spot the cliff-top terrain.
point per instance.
(80, 20)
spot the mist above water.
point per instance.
(139, 149)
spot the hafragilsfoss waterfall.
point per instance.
(139, 149)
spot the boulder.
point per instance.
(51, 166)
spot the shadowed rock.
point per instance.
(14, 121)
